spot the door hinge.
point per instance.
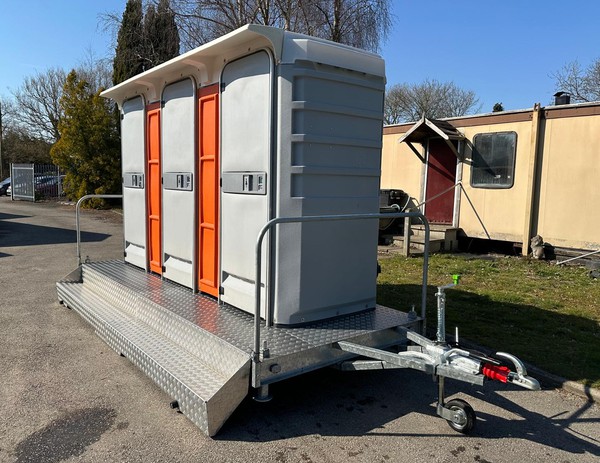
(222, 87)
(221, 290)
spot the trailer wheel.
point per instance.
(463, 420)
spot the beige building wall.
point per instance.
(401, 169)
(566, 198)
(501, 211)
(569, 193)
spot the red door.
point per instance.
(441, 176)
(208, 147)
(153, 187)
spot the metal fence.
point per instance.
(32, 182)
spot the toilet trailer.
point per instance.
(251, 173)
(259, 124)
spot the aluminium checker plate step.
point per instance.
(199, 351)
(206, 396)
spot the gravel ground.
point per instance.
(66, 396)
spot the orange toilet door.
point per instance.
(208, 217)
(153, 186)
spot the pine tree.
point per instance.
(88, 148)
(161, 34)
(129, 54)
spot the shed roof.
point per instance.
(427, 128)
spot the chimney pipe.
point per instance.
(561, 98)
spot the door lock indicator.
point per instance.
(247, 182)
(252, 183)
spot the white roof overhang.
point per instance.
(206, 62)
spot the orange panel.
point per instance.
(208, 146)
(153, 186)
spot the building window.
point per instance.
(494, 160)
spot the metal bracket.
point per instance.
(414, 360)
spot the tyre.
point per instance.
(464, 416)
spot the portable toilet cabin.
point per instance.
(258, 124)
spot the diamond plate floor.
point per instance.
(234, 326)
(199, 352)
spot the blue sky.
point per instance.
(503, 50)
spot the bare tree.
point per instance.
(19, 146)
(38, 101)
(582, 84)
(431, 98)
(360, 23)
(7, 112)
(36, 108)
(95, 70)
(201, 21)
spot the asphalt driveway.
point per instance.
(66, 396)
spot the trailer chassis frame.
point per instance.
(436, 358)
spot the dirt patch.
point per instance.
(66, 437)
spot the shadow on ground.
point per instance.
(23, 234)
(335, 403)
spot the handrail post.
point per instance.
(258, 269)
(407, 231)
(77, 226)
(425, 271)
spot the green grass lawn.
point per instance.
(547, 315)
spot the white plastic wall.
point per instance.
(300, 134)
(245, 160)
(326, 127)
(178, 150)
(134, 191)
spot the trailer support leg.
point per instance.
(458, 413)
(441, 398)
(262, 394)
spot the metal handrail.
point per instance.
(78, 228)
(587, 254)
(462, 188)
(322, 218)
(453, 187)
